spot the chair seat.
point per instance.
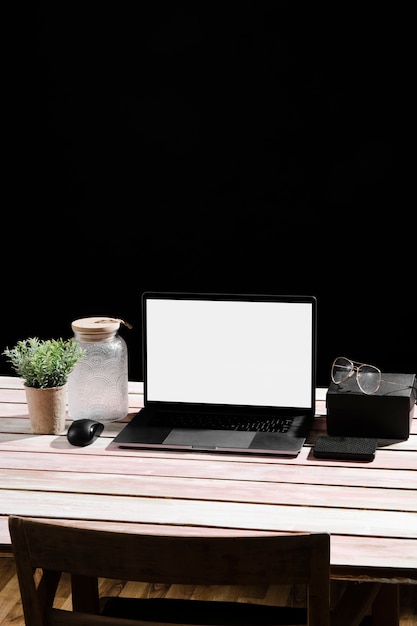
(177, 611)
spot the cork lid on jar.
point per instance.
(97, 328)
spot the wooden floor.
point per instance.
(11, 609)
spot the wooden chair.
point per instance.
(44, 550)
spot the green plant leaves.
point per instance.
(44, 363)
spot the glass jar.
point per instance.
(98, 384)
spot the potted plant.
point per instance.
(44, 366)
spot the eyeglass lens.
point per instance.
(342, 369)
(368, 377)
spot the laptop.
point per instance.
(225, 373)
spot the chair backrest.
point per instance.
(43, 550)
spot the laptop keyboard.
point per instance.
(216, 421)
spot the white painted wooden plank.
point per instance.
(218, 514)
(385, 460)
(209, 489)
(20, 425)
(218, 467)
(15, 382)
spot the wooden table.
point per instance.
(370, 509)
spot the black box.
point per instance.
(386, 414)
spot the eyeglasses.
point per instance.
(368, 377)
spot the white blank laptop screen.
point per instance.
(247, 353)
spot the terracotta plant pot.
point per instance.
(47, 409)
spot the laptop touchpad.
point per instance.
(210, 438)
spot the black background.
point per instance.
(257, 147)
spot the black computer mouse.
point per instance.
(82, 432)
